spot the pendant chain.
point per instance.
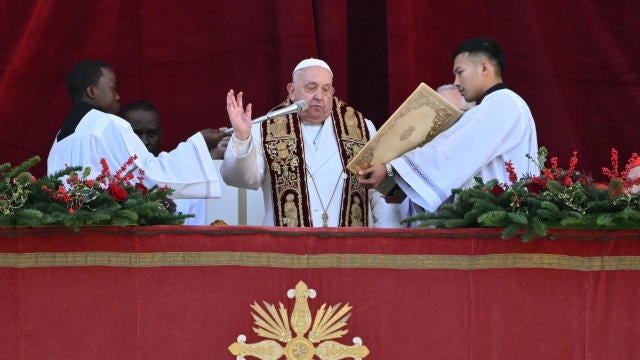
(325, 215)
(318, 133)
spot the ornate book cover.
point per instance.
(422, 116)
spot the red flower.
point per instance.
(513, 177)
(143, 189)
(601, 186)
(117, 193)
(496, 190)
(539, 181)
(534, 187)
(572, 167)
(140, 175)
(613, 172)
(614, 160)
(105, 167)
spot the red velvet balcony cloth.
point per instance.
(173, 292)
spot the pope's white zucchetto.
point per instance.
(312, 62)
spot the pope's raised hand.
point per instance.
(239, 116)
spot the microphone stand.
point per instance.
(262, 118)
(297, 107)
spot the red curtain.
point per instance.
(574, 62)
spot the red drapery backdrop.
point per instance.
(574, 62)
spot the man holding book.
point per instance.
(498, 130)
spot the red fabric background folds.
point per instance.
(574, 62)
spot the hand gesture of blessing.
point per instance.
(239, 117)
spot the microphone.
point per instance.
(297, 107)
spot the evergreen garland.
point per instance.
(531, 205)
(70, 198)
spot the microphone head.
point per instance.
(301, 105)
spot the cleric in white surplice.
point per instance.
(92, 132)
(499, 129)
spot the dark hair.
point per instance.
(82, 75)
(485, 46)
(138, 105)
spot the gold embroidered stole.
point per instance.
(284, 152)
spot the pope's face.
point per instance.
(313, 84)
(469, 80)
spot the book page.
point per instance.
(422, 116)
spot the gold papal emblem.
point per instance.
(273, 324)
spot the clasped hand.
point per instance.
(372, 176)
(213, 137)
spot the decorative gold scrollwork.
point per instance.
(274, 325)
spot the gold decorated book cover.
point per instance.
(422, 116)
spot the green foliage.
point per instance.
(14, 183)
(517, 218)
(493, 218)
(511, 230)
(69, 198)
(533, 204)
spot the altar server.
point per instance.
(499, 129)
(92, 132)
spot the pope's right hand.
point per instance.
(239, 117)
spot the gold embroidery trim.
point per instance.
(346, 261)
(352, 134)
(281, 143)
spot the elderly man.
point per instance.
(451, 93)
(299, 159)
(497, 130)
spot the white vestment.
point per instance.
(244, 166)
(197, 207)
(500, 129)
(188, 169)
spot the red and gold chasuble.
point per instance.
(284, 152)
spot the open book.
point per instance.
(422, 116)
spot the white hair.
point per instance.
(465, 104)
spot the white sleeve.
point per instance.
(188, 169)
(384, 215)
(243, 165)
(430, 172)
